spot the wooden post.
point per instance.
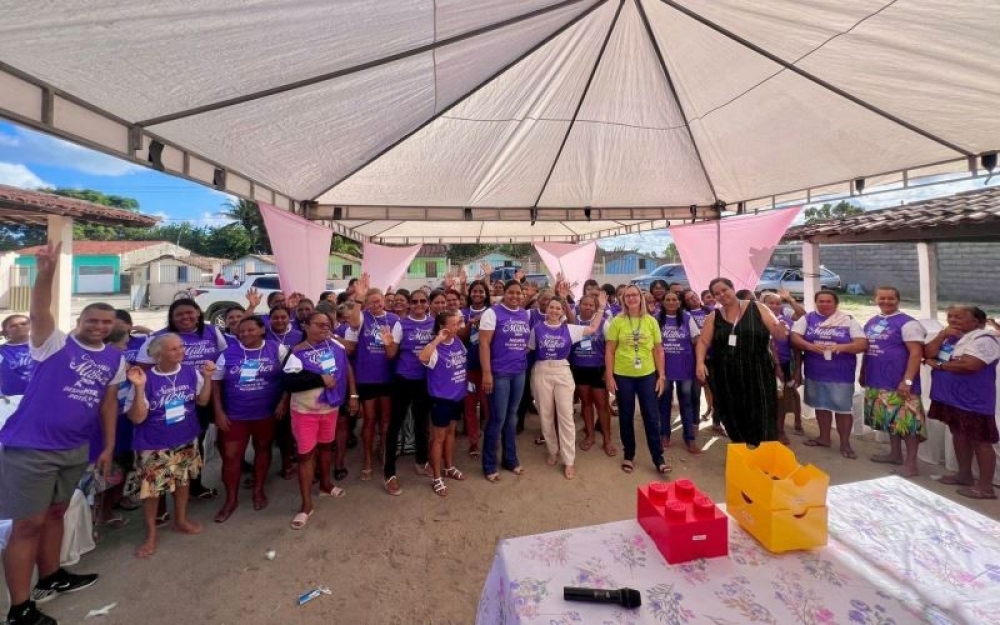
(927, 261)
(60, 229)
(810, 272)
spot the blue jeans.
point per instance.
(502, 426)
(645, 389)
(684, 404)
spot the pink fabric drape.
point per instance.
(575, 262)
(746, 243)
(386, 265)
(301, 250)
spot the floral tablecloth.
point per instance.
(897, 554)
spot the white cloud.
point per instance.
(40, 149)
(651, 242)
(17, 175)
(211, 220)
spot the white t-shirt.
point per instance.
(985, 347)
(57, 340)
(575, 334)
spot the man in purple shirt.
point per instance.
(44, 445)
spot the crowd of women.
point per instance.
(300, 374)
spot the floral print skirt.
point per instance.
(890, 412)
(160, 471)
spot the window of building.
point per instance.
(431, 270)
(347, 271)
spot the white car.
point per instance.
(216, 300)
(776, 278)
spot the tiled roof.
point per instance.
(205, 263)
(97, 248)
(21, 206)
(434, 251)
(970, 208)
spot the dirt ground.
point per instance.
(416, 558)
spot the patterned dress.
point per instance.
(742, 378)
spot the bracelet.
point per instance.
(355, 396)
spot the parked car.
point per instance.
(776, 278)
(216, 300)
(673, 272)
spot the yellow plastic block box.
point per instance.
(778, 501)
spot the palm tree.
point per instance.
(246, 214)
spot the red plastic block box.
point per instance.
(683, 522)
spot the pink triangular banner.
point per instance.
(301, 250)
(386, 265)
(574, 262)
(746, 243)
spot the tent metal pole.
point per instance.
(468, 95)
(816, 79)
(673, 91)
(298, 84)
(718, 245)
(579, 104)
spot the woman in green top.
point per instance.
(634, 368)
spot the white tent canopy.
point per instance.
(466, 120)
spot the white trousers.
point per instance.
(553, 386)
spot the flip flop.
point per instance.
(162, 519)
(366, 475)
(586, 444)
(664, 468)
(299, 520)
(885, 460)
(223, 515)
(973, 493)
(473, 452)
(518, 470)
(627, 466)
(850, 454)
(336, 492)
(207, 495)
(952, 480)
(115, 522)
(396, 491)
(610, 450)
(540, 440)
(493, 477)
(812, 442)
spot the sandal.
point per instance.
(493, 477)
(586, 444)
(223, 515)
(975, 493)
(887, 459)
(339, 474)
(366, 475)
(454, 473)
(439, 488)
(705, 416)
(162, 519)
(114, 522)
(954, 480)
(392, 486)
(849, 454)
(721, 431)
(299, 520)
(540, 440)
(812, 442)
(610, 450)
(518, 470)
(207, 494)
(424, 469)
(664, 468)
(336, 492)
(627, 466)
(473, 452)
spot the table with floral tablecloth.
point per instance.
(897, 553)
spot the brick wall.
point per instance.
(965, 270)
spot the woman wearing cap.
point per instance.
(830, 342)
(890, 373)
(963, 358)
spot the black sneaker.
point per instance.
(62, 581)
(28, 614)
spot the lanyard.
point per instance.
(259, 350)
(635, 334)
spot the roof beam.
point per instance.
(347, 71)
(815, 79)
(673, 90)
(579, 105)
(465, 97)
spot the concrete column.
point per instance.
(60, 229)
(810, 270)
(927, 261)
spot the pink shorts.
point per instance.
(311, 429)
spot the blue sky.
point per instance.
(30, 159)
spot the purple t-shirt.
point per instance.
(372, 365)
(699, 315)
(330, 358)
(171, 420)
(133, 348)
(251, 380)
(289, 338)
(62, 404)
(841, 367)
(413, 336)
(784, 347)
(589, 351)
(552, 343)
(198, 348)
(972, 392)
(678, 350)
(446, 372)
(509, 347)
(472, 344)
(16, 366)
(886, 357)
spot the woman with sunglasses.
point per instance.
(409, 337)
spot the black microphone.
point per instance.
(625, 597)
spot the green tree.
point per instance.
(670, 254)
(840, 210)
(247, 216)
(343, 245)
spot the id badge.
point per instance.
(637, 363)
(248, 371)
(944, 355)
(471, 387)
(377, 338)
(174, 410)
(586, 344)
(474, 336)
(328, 363)
(732, 340)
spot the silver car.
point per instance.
(673, 272)
(776, 278)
